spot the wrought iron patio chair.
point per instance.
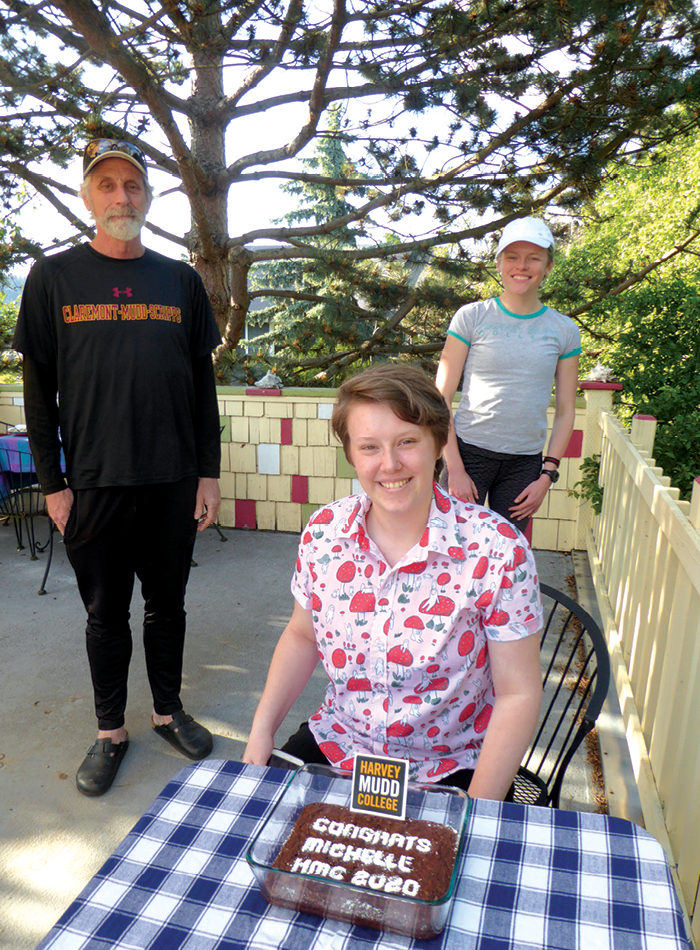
(21, 498)
(576, 668)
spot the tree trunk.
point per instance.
(208, 237)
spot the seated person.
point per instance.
(423, 609)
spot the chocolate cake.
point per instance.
(387, 857)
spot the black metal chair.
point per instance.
(576, 668)
(21, 498)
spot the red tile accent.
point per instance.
(640, 415)
(286, 427)
(245, 513)
(300, 488)
(592, 384)
(573, 449)
(263, 392)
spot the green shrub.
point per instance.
(657, 358)
(10, 367)
(588, 486)
(8, 320)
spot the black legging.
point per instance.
(112, 536)
(500, 477)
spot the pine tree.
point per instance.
(315, 309)
(457, 116)
(324, 311)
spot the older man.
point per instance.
(117, 344)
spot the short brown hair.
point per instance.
(409, 393)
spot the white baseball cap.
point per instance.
(533, 230)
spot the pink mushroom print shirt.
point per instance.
(406, 647)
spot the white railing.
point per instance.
(644, 550)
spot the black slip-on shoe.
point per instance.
(187, 735)
(100, 766)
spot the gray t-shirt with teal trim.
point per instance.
(509, 373)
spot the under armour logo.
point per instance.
(116, 291)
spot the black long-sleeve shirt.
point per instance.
(117, 355)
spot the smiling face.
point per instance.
(394, 461)
(523, 266)
(117, 197)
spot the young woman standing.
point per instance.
(509, 350)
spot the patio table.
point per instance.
(529, 878)
(21, 499)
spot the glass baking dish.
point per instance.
(339, 900)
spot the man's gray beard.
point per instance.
(121, 228)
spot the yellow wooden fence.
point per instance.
(644, 551)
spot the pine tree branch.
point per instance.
(301, 251)
(316, 98)
(47, 188)
(229, 105)
(282, 294)
(630, 282)
(348, 357)
(418, 185)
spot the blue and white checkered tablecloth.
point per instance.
(530, 878)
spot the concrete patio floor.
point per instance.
(52, 839)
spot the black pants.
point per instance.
(303, 745)
(114, 535)
(500, 476)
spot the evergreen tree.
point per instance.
(642, 227)
(315, 308)
(631, 273)
(325, 313)
(470, 113)
(656, 356)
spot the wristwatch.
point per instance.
(554, 475)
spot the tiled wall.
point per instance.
(11, 405)
(280, 461)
